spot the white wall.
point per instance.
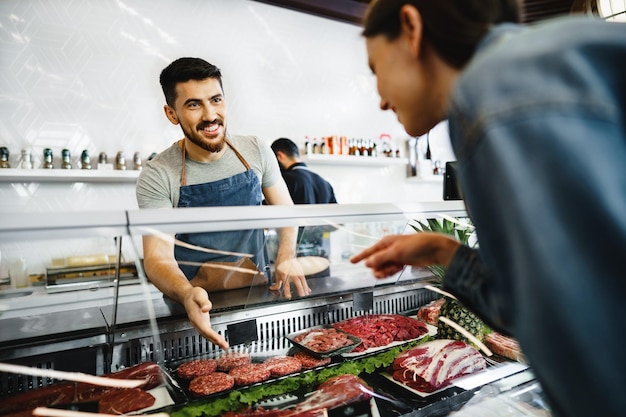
(84, 75)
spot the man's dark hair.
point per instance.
(453, 27)
(183, 70)
(286, 146)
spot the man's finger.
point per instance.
(217, 339)
(287, 288)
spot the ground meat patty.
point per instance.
(211, 383)
(124, 401)
(250, 373)
(199, 367)
(232, 360)
(309, 362)
(283, 365)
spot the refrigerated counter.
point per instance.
(98, 326)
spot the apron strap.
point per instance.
(183, 174)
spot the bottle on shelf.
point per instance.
(48, 162)
(85, 160)
(137, 162)
(4, 157)
(120, 161)
(26, 162)
(66, 159)
(345, 149)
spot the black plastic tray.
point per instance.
(344, 349)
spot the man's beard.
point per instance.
(209, 147)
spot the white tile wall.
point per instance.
(83, 74)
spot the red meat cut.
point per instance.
(124, 401)
(69, 393)
(336, 391)
(430, 312)
(504, 346)
(381, 329)
(433, 365)
(323, 340)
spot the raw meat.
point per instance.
(433, 365)
(310, 362)
(381, 329)
(198, 367)
(231, 360)
(69, 393)
(336, 391)
(504, 346)
(125, 401)
(212, 383)
(430, 312)
(323, 340)
(250, 373)
(283, 365)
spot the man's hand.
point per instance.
(390, 254)
(288, 271)
(198, 305)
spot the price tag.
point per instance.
(242, 333)
(363, 301)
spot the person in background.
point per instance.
(208, 167)
(537, 117)
(305, 186)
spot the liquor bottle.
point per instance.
(120, 161)
(4, 157)
(137, 162)
(47, 159)
(85, 160)
(66, 159)
(27, 159)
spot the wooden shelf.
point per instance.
(322, 159)
(67, 175)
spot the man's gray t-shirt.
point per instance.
(158, 185)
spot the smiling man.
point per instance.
(208, 167)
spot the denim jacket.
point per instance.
(538, 125)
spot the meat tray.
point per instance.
(326, 353)
(471, 381)
(432, 331)
(254, 359)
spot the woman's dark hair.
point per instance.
(185, 69)
(453, 27)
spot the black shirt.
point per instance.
(307, 187)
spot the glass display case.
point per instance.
(88, 306)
